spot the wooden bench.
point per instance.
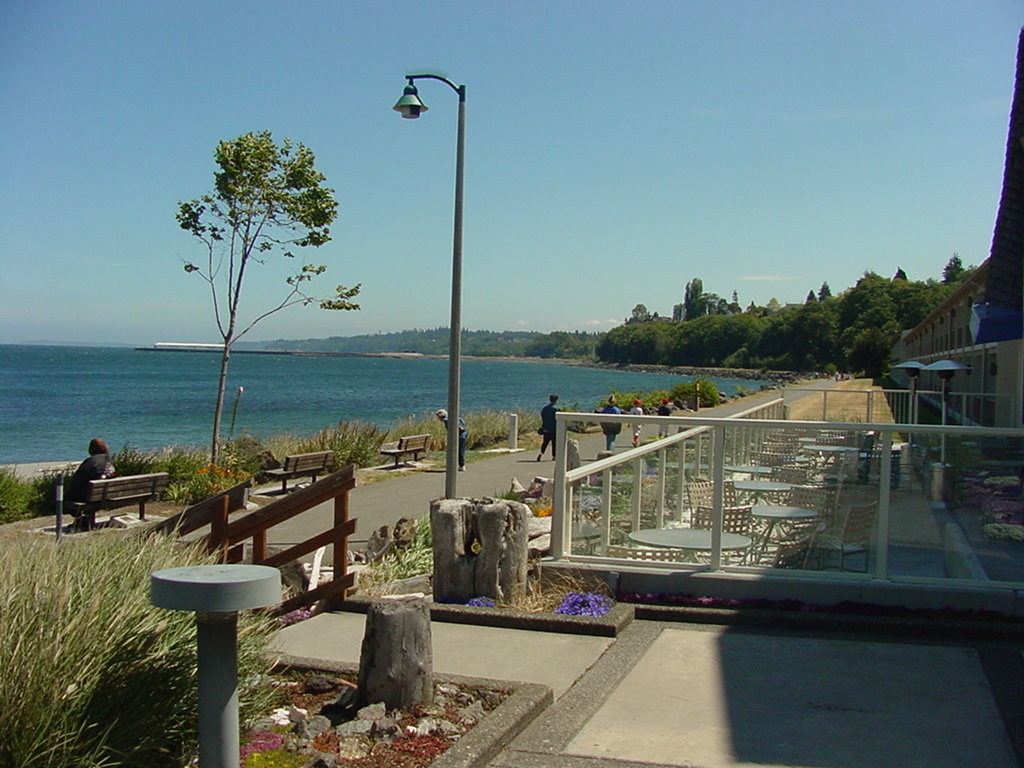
(301, 465)
(413, 444)
(118, 492)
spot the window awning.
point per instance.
(992, 322)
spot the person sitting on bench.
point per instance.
(97, 467)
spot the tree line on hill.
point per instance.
(853, 331)
(434, 341)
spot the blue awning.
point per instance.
(991, 322)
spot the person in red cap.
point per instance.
(636, 410)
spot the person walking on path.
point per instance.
(611, 430)
(442, 415)
(636, 410)
(547, 426)
(665, 409)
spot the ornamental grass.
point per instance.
(95, 676)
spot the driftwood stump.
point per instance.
(396, 663)
(480, 548)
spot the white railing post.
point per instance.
(884, 494)
(824, 405)
(718, 495)
(871, 403)
(681, 480)
(662, 477)
(513, 431)
(606, 508)
(638, 486)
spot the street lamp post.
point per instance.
(410, 107)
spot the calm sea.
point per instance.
(53, 399)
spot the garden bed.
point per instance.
(609, 625)
(471, 720)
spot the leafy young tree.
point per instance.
(267, 199)
(639, 314)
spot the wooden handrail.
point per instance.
(227, 536)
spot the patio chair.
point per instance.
(734, 519)
(652, 555)
(784, 474)
(791, 554)
(851, 537)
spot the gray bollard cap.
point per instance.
(215, 588)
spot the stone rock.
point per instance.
(267, 461)
(321, 760)
(405, 530)
(473, 713)
(354, 749)
(313, 727)
(540, 546)
(449, 729)
(380, 543)
(572, 455)
(549, 489)
(372, 712)
(354, 728)
(537, 526)
(425, 727)
(319, 684)
(516, 487)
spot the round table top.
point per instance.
(749, 470)
(761, 485)
(687, 538)
(829, 448)
(781, 512)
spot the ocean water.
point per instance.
(54, 399)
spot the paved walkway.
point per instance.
(384, 502)
(672, 694)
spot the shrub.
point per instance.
(14, 496)
(24, 499)
(93, 673)
(708, 392)
(351, 442)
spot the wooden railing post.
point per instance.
(219, 530)
(340, 546)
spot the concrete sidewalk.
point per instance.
(670, 694)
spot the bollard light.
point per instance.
(215, 593)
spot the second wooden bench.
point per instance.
(412, 445)
(301, 465)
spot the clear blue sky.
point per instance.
(614, 151)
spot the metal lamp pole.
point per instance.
(410, 107)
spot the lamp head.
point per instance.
(912, 368)
(410, 105)
(946, 368)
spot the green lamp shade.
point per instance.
(410, 105)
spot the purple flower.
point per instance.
(584, 604)
(482, 602)
(294, 617)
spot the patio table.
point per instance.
(758, 488)
(748, 469)
(694, 539)
(774, 514)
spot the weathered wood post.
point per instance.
(396, 662)
(480, 548)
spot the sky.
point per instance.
(614, 151)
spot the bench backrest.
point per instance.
(127, 487)
(414, 443)
(303, 462)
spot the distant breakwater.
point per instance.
(747, 374)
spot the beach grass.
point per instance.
(93, 673)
